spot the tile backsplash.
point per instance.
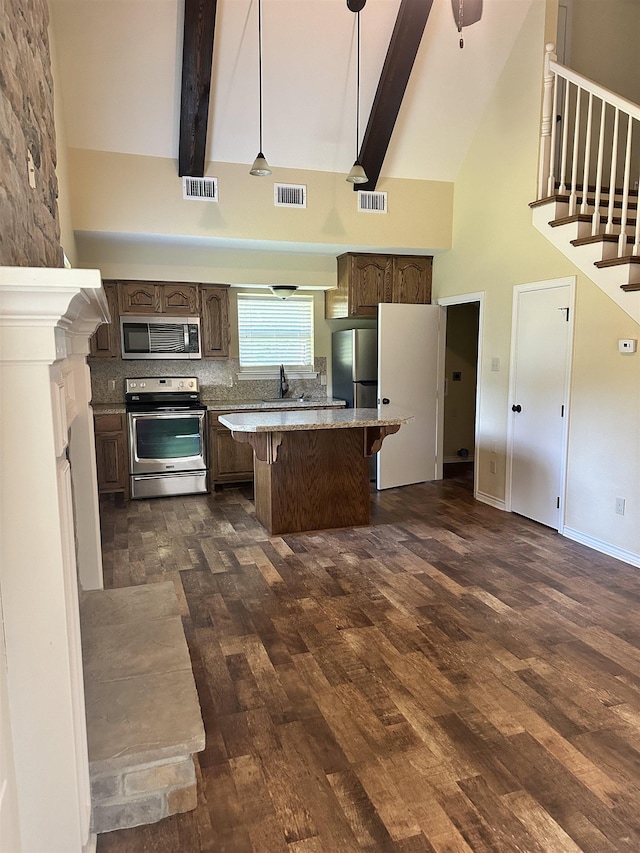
(218, 379)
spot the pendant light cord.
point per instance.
(260, 64)
(358, 94)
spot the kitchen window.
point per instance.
(273, 331)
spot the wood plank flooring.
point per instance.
(450, 678)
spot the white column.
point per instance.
(38, 586)
(84, 473)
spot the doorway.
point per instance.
(462, 384)
(541, 345)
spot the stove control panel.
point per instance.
(158, 385)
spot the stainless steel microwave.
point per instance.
(160, 337)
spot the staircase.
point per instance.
(589, 170)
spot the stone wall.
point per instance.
(29, 227)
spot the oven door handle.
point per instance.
(171, 474)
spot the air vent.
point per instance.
(372, 202)
(290, 195)
(201, 189)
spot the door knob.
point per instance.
(385, 401)
(517, 408)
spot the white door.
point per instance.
(410, 363)
(540, 358)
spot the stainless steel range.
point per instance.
(167, 447)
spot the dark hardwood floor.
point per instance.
(450, 678)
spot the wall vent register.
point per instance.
(201, 189)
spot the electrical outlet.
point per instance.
(495, 364)
(493, 466)
(620, 502)
(323, 379)
(494, 446)
(112, 385)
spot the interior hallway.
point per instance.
(450, 678)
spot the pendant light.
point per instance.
(357, 175)
(260, 166)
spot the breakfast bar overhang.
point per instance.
(311, 468)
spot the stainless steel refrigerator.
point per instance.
(354, 366)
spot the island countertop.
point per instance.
(254, 422)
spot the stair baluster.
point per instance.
(590, 222)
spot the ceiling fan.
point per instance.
(465, 13)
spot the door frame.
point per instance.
(463, 299)
(546, 284)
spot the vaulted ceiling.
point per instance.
(120, 64)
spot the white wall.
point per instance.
(496, 247)
(9, 819)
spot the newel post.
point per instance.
(544, 169)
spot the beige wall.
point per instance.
(67, 237)
(605, 44)
(496, 247)
(124, 193)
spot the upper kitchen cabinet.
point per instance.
(105, 342)
(149, 297)
(363, 282)
(366, 280)
(180, 299)
(411, 280)
(215, 321)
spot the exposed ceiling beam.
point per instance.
(403, 47)
(197, 60)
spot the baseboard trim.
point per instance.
(92, 844)
(602, 547)
(488, 499)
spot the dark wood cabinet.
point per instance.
(138, 297)
(105, 342)
(411, 280)
(365, 280)
(149, 297)
(229, 461)
(215, 321)
(111, 454)
(180, 299)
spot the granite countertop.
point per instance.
(279, 403)
(319, 419)
(234, 405)
(108, 408)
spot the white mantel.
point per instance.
(48, 478)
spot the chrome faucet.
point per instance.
(284, 385)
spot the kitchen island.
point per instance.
(311, 468)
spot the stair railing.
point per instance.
(599, 139)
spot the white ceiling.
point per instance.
(120, 72)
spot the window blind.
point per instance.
(274, 331)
